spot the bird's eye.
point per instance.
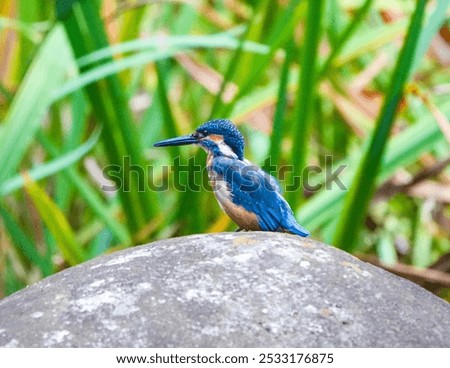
(198, 134)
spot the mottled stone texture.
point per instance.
(225, 290)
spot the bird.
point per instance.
(248, 195)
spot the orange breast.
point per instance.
(244, 219)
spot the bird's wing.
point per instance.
(250, 188)
(271, 179)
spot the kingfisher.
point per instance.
(249, 196)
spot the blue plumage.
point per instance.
(250, 196)
(250, 188)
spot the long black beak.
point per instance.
(178, 141)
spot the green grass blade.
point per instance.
(386, 249)
(358, 198)
(100, 209)
(79, 108)
(437, 18)
(402, 150)
(100, 244)
(144, 57)
(163, 72)
(259, 21)
(23, 243)
(346, 34)
(56, 223)
(175, 43)
(33, 100)
(130, 23)
(109, 101)
(153, 123)
(50, 168)
(12, 283)
(281, 30)
(335, 20)
(371, 40)
(306, 93)
(423, 240)
(109, 69)
(279, 116)
(90, 196)
(217, 109)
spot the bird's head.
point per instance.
(220, 137)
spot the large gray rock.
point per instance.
(225, 290)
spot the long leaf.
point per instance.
(91, 197)
(174, 43)
(359, 196)
(56, 223)
(279, 116)
(370, 41)
(23, 243)
(50, 168)
(64, 190)
(33, 100)
(346, 34)
(281, 30)
(306, 92)
(109, 101)
(239, 57)
(437, 18)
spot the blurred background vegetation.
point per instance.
(87, 84)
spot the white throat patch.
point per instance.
(226, 150)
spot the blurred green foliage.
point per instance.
(86, 88)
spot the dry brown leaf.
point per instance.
(440, 50)
(260, 119)
(357, 119)
(441, 119)
(206, 76)
(431, 190)
(238, 8)
(370, 72)
(403, 181)
(214, 16)
(412, 273)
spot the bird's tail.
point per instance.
(294, 228)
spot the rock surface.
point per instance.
(225, 290)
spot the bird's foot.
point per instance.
(238, 229)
